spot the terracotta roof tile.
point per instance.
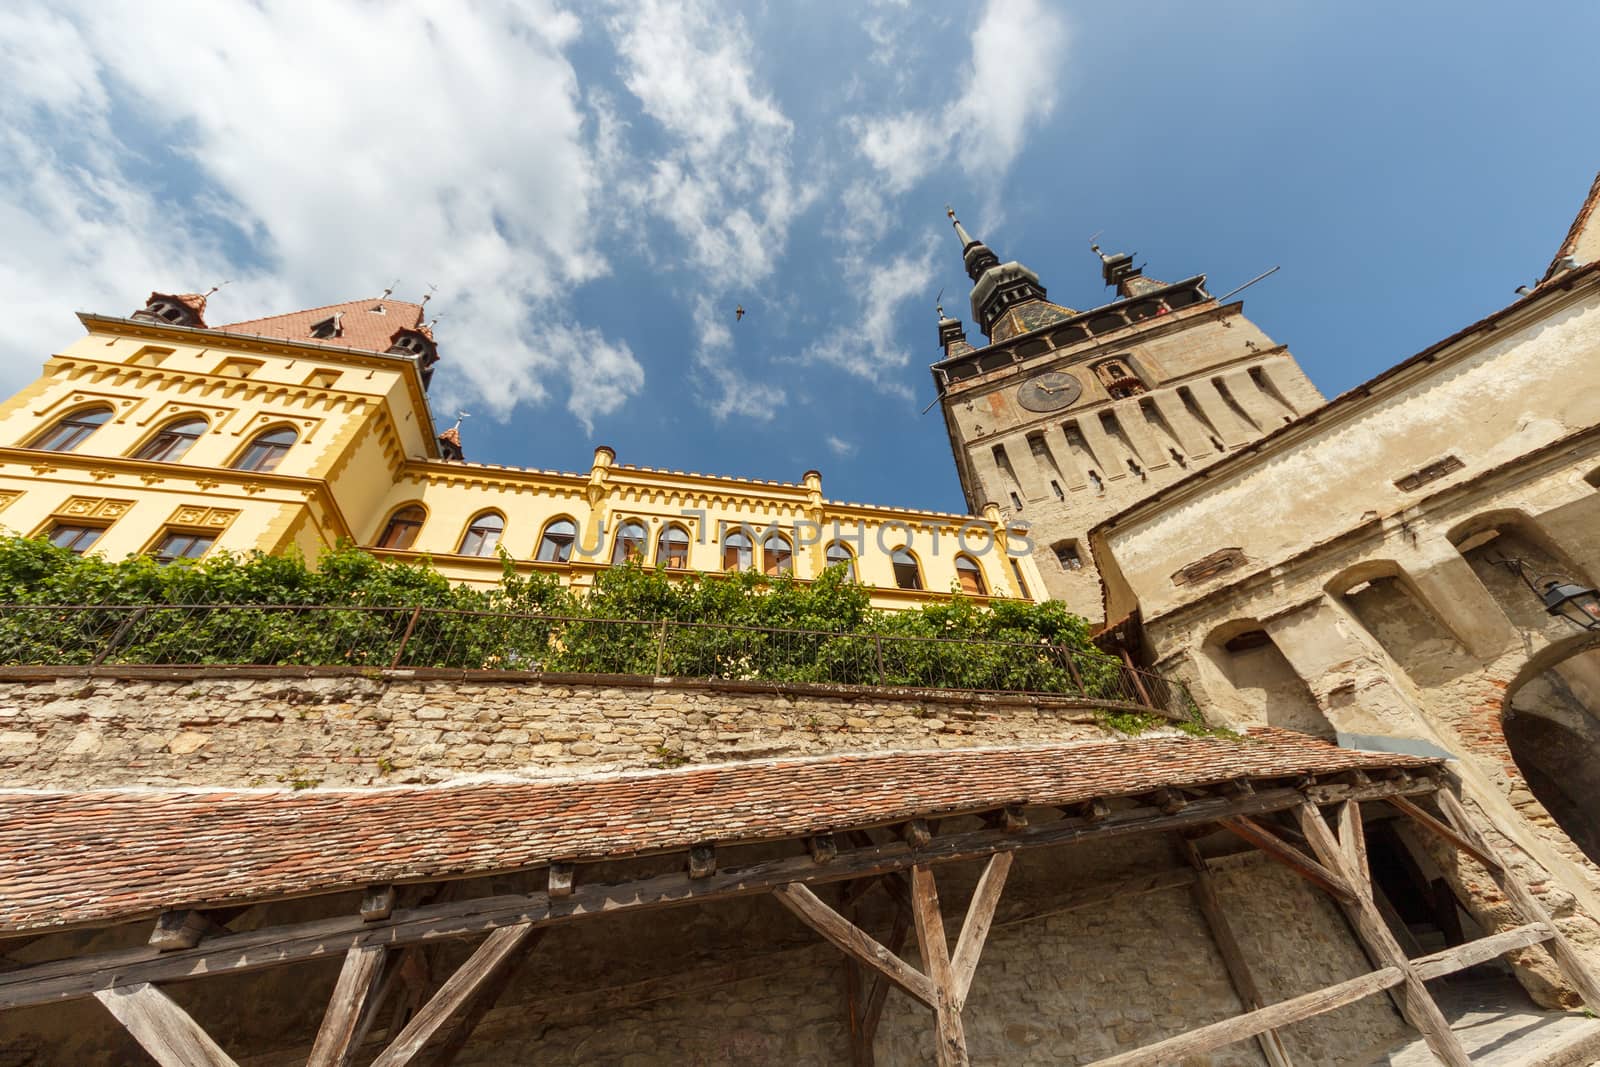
(361, 327)
(109, 855)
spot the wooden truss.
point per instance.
(380, 942)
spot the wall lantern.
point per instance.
(1563, 597)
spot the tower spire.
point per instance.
(975, 253)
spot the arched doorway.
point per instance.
(1553, 731)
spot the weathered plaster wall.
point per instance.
(355, 730)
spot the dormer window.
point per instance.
(328, 328)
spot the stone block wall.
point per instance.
(286, 729)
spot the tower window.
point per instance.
(173, 441)
(1055, 487)
(328, 328)
(1068, 556)
(75, 537)
(177, 544)
(483, 534)
(1118, 378)
(1096, 481)
(403, 527)
(1016, 501)
(266, 450)
(907, 574)
(73, 430)
(555, 546)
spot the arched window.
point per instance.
(907, 573)
(631, 541)
(777, 557)
(173, 440)
(736, 555)
(839, 555)
(266, 450)
(72, 431)
(672, 548)
(403, 527)
(483, 534)
(970, 574)
(555, 544)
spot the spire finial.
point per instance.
(961, 231)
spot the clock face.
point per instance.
(1050, 391)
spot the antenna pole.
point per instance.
(1248, 284)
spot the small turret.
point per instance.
(174, 309)
(1118, 270)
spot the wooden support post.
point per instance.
(352, 998)
(451, 1041)
(377, 902)
(975, 928)
(1317, 874)
(916, 833)
(854, 941)
(872, 1008)
(950, 1039)
(1420, 1009)
(702, 861)
(1226, 1032)
(162, 1029)
(1522, 899)
(559, 879)
(1244, 982)
(823, 848)
(1455, 839)
(499, 949)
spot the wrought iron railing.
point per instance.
(420, 637)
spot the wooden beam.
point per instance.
(162, 1029)
(449, 1044)
(950, 1038)
(1459, 958)
(824, 848)
(1226, 1032)
(854, 941)
(702, 861)
(1353, 839)
(878, 994)
(179, 929)
(1291, 857)
(975, 928)
(1420, 1009)
(1449, 834)
(377, 903)
(499, 949)
(1233, 961)
(916, 832)
(273, 946)
(1524, 902)
(558, 882)
(352, 995)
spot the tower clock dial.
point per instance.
(1050, 391)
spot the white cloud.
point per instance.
(839, 446)
(870, 346)
(725, 181)
(339, 146)
(1008, 86)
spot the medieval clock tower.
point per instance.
(1066, 417)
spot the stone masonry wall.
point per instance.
(288, 730)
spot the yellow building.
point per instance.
(158, 434)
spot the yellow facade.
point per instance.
(133, 437)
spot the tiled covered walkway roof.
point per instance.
(108, 855)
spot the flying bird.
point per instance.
(738, 312)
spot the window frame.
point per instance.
(390, 527)
(979, 578)
(829, 561)
(485, 547)
(626, 548)
(776, 563)
(663, 544)
(169, 532)
(916, 564)
(558, 556)
(58, 525)
(238, 463)
(38, 440)
(744, 553)
(169, 428)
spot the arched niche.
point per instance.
(1552, 728)
(1258, 684)
(1487, 541)
(1383, 599)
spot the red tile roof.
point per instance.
(361, 326)
(109, 855)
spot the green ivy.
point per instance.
(748, 626)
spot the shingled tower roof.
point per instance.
(1007, 298)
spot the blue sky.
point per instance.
(594, 188)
